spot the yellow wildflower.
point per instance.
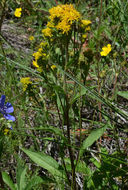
(53, 67)
(43, 44)
(17, 12)
(6, 131)
(88, 28)
(35, 64)
(85, 23)
(47, 32)
(37, 55)
(31, 38)
(25, 82)
(62, 17)
(65, 27)
(44, 54)
(40, 50)
(50, 24)
(64, 12)
(84, 36)
(106, 50)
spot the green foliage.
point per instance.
(46, 162)
(94, 136)
(123, 94)
(23, 181)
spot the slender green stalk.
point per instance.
(66, 119)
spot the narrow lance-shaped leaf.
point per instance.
(8, 181)
(124, 94)
(46, 162)
(95, 135)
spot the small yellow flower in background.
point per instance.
(53, 67)
(37, 66)
(37, 55)
(25, 82)
(84, 36)
(31, 38)
(17, 12)
(85, 23)
(106, 50)
(47, 32)
(44, 54)
(6, 131)
(40, 50)
(88, 28)
(43, 44)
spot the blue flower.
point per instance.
(5, 109)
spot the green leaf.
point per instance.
(20, 176)
(124, 94)
(8, 181)
(46, 162)
(23, 180)
(95, 135)
(51, 129)
(78, 95)
(35, 181)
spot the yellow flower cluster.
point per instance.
(61, 18)
(53, 67)
(17, 12)
(106, 50)
(6, 131)
(31, 38)
(47, 32)
(85, 24)
(25, 82)
(38, 54)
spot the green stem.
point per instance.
(66, 118)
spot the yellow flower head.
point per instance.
(47, 32)
(6, 131)
(85, 23)
(25, 82)
(17, 12)
(37, 55)
(106, 50)
(43, 44)
(37, 66)
(53, 67)
(65, 27)
(40, 50)
(84, 36)
(88, 28)
(62, 17)
(31, 38)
